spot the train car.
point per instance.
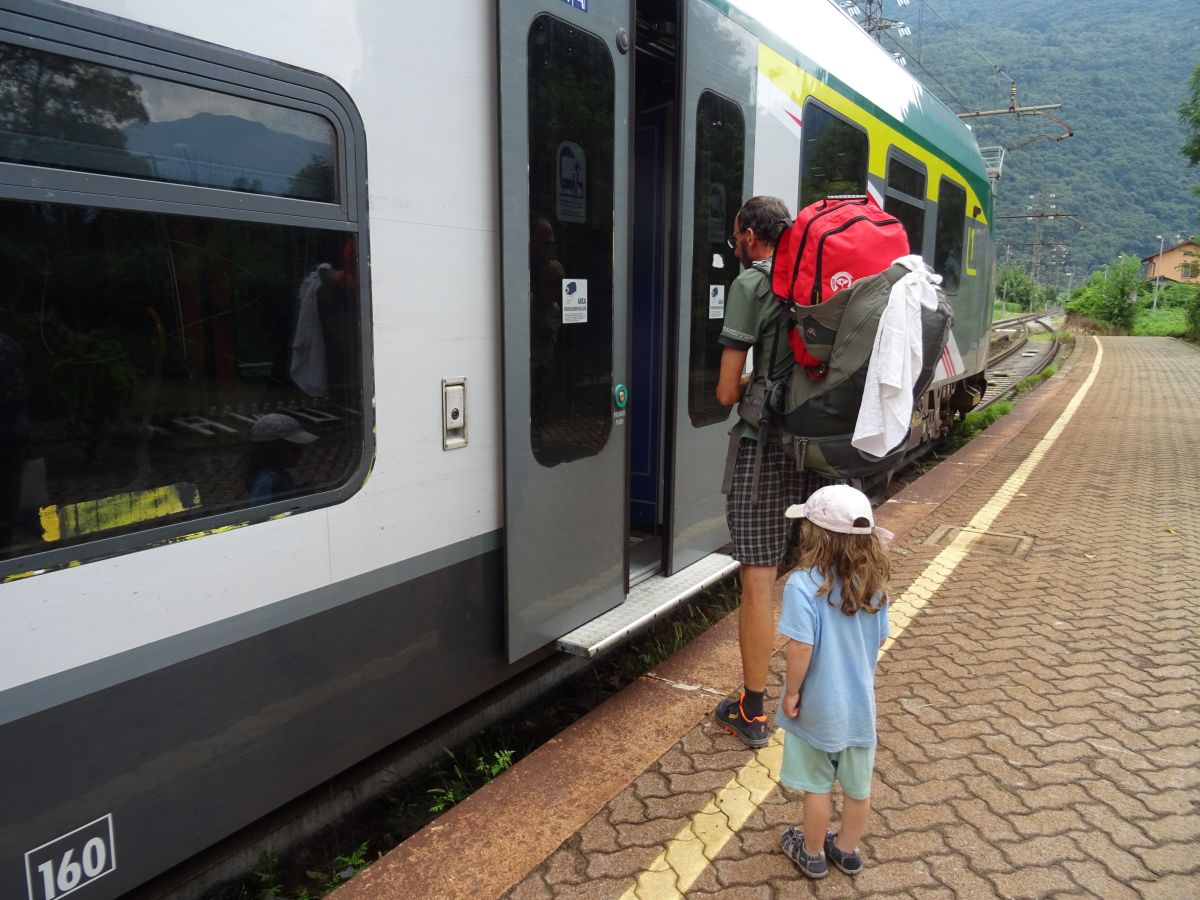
(353, 356)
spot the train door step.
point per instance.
(647, 601)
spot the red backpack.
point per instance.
(833, 243)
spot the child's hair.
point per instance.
(858, 560)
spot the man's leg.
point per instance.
(759, 533)
(756, 625)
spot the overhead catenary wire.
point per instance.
(996, 67)
(949, 93)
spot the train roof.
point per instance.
(820, 38)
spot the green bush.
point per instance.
(1163, 322)
(1110, 298)
(1193, 316)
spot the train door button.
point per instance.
(620, 396)
(454, 413)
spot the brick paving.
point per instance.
(1039, 719)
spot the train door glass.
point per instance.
(563, 171)
(717, 96)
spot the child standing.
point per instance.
(835, 613)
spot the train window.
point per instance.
(834, 156)
(159, 368)
(69, 113)
(905, 198)
(166, 355)
(948, 245)
(720, 168)
(571, 203)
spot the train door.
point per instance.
(718, 65)
(564, 177)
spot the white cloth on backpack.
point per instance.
(885, 415)
(308, 367)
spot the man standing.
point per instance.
(755, 517)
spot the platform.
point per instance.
(1039, 703)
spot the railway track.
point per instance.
(1018, 357)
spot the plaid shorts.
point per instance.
(759, 530)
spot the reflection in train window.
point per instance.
(571, 134)
(905, 198)
(834, 156)
(69, 113)
(720, 166)
(158, 368)
(948, 245)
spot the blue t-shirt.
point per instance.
(837, 699)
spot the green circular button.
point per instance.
(620, 396)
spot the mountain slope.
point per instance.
(1119, 69)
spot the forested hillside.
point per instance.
(1120, 69)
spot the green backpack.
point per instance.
(820, 415)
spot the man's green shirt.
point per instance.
(752, 319)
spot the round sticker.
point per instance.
(841, 281)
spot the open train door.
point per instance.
(564, 160)
(718, 64)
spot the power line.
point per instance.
(995, 66)
(932, 77)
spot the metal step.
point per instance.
(654, 597)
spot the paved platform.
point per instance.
(1039, 704)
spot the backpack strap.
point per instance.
(772, 400)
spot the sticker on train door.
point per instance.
(66, 864)
(570, 187)
(574, 301)
(716, 301)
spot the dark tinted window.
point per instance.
(571, 133)
(73, 114)
(905, 179)
(905, 199)
(158, 368)
(834, 157)
(951, 222)
(720, 167)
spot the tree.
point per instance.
(1112, 297)
(1189, 115)
(1015, 288)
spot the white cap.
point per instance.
(836, 507)
(278, 427)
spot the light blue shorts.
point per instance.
(806, 768)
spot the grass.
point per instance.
(458, 783)
(971, 426)
(1160, 322)
(1027, 384)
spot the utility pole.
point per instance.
(1158, 270)
(875, 23)
(871, 19)
(1041, 209)
(1007, 276)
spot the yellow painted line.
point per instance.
(697, 844)
(90, 516)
